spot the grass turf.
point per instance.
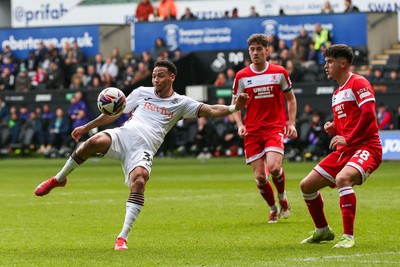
(195, 214)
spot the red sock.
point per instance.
(279, 182)
(267, 193)
(348, 206)
(315, 206)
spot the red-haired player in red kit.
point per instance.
(265, 124)
(358, 148)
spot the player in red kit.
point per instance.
(358, 150)
(265, 124)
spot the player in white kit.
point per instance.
(155, 110)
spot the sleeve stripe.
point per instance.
(198, 110)
(287, 89)
(366, 100)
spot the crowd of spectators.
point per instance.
(47, 131)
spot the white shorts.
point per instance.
(130, 149)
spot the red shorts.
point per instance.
(365, 159)
(256, 145)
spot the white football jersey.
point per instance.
(153, 116)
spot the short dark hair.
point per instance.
(167, 64)
(340, 50)
(258, 38)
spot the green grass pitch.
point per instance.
(195, 214)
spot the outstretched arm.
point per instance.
(223, 110)
(97, 122)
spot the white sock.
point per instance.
(273, 208)
(132, 211)
(282, 196)
(322, 230)
(69, 166)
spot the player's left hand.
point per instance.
(338, 140)
(291, 131)
(241, 101)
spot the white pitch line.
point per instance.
(347, 256)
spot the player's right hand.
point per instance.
(77, 133)
(242, 131)
(329, 127)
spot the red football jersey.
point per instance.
(346, 103)
(266, 106)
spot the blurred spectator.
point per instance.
(353, 69)
(327, 8)
(220, 80)
(7, 80)
(8, 64)
(7, 53)
(167, 9)
(294, 71)
(378, 76)
(350, 7)
(155, 16)
(273, 40)
(141, 73)
(31, 63)
(304, 40)
(10, 134)
(55, 78)
(40, 52)
(58, 131)
(282, 12)
(235, 13)
(77, 54)
(321, 37)
(188, 15)
(232, 143)
(384, 118)
(230, 77)
(143, 10)
(297, 53)
(47, 117)
(159, 47)
(66, 51)
(23, 82)
(31, 135)
(109, 67)
(46, 61)
(4, 111)
(253, 12)
(282, 46)
(147, 60)
(177, 55)
(39, 80)
(107, 81)
(23, 114)
(226, 14)
(317, 140)
(98, 63)
(203, 144)
(80, 120)
(116, 58)
(91, 74)
(96, 84)
(369, 74)
(127, 80)
(393, 76)
(76, 83)
(78, 75)
(306, 115)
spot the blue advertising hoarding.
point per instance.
(390, 144)
(231, 34)
(21, 41)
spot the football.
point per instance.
(111, 101)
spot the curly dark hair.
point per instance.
(167, 64)
(340, 50)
